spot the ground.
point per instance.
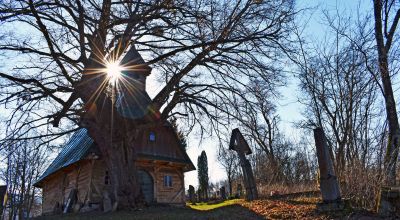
(295, 207)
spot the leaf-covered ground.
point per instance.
(278, 208)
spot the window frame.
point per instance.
(152, 136)
(168, 181)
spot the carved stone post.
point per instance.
(328, 181)
(222, 193)
(191, 194)
(389, 201)
(249, 182)
(239, 191)
(239, 144)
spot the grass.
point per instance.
(205, 206)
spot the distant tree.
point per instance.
(24, 162)
(228, 159)
(202, 172)
(259, 121)
(339, 91)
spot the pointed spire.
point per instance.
(133, 101)
(133, 62)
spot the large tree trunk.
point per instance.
(117, 147)
(116, 138)
(392, 150)
(114, 135)
(383, 48)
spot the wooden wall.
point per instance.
(157, 170)
(97, 186)
(174, 194)
(52, 192)
(58, 186)
(166, 143)
(88, 177)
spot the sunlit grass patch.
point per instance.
(204, 206)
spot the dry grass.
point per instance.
(287, 189)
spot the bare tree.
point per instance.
(229, 161)
(387, 16)
(24, 163)
(341, 91)
(256, 114)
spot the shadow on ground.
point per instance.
(294, 206)
(234, 211)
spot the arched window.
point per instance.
(152, 136)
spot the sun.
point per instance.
(114, 71)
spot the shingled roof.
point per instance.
(75, 150)
(133, 61)
(133, 106)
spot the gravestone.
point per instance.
(240, 145)
(76, 207)
(239, 190)
(329, 186)
(199, 195)
(389, 202)
(191, 194)
(107, 204)
(222, 193)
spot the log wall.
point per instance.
(58, 186)
(166, 143)
(88, 177)
(174, 194)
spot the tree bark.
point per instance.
(392, 149)
(117, 146)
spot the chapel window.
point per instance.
(168, 181)
(152, 136)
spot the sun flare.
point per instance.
(113, 70)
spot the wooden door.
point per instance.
(147, 185)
